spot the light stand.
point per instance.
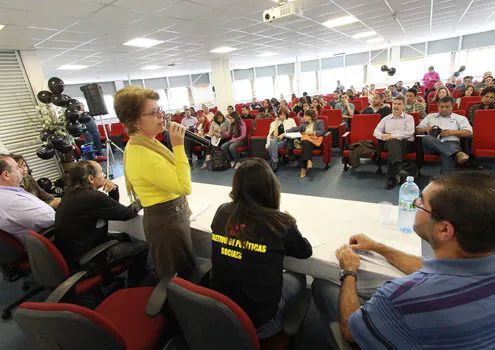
(108, 144)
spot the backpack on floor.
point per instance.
(217, 161)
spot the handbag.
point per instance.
(315, 140)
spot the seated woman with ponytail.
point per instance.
(250, 238)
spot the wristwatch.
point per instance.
(345, 273)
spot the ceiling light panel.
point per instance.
(341, 21)
(72, 67)
(223, 49)
(143, 42)
(151, 67)
(364, 35)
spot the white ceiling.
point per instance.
(91, 32)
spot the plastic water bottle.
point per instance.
(408, 192)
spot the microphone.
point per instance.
(196, 138)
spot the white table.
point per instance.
(327, 223)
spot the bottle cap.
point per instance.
(410, 179)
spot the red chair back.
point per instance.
(363, 126)
(214, 110)
(357, 105)
(466, 100)
(459, 111)
(292, 114)
(334, 117)
(469, 105)
(416, 116)
(254, 113)
(364, 102)
(209, 317)
(431, 94)
(102, 132)
(177, 119)
(117, 129)
(262, 127)
(457, 93)
(250, 126)
(483, 140)
(297, 120)
(433, 108)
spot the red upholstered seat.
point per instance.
(249, 130)
(469, 100)
(363, 126)
(483, 129)
(433, 108)
(117, 129)
(336, 125)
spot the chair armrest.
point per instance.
(339, 337)
(158, 297)
(48, 232)
(96, 251)
(296, 312)
(346, 134)
(59, 293)
(201, 272)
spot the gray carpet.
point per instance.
(362, 184)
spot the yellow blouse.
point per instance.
(154, 179)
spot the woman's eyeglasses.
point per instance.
(156, 113)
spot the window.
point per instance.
(377, 77)
(283, 87)
(477, 61)
(179, 97)
(412, 71)
(163, 101)
(329, 77)
(264, 88)
(202, 94)
(354, 75)
(109, 103)
(242, 90)
(308, 83)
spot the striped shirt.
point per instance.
(448, 304)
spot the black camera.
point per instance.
(435, 131)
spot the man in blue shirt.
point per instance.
(346, 107)
(446, 302)
(446, 144)
(20, 211)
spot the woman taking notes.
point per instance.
(160, 178)
(250, 238)
(276, 135)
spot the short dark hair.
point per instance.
(311, 113)
(431, 67)
(337, 91)
(344, 93)
(4, 166)
(381, 95)
(305, 94)
(230, 106)
(487, 90)
(261, 109)
(78, 176)
(400, 97)
(400, 81)
(466, 199)
(245, 106)
(414, 91)
(447, 99)
(284, 111)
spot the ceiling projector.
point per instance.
(283, 13)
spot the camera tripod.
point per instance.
(108, 144)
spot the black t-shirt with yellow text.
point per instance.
(250, 273)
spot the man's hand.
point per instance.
(281, 137)
(362, 242)
(108, 186)
(176, 133)
(386, 137)
(348, 259)
(446, 133)
(428, 129)
(54, 203)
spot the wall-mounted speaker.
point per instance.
(94, 97)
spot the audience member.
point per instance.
(219, 125)
(468, 92)
(388, 95)
(313, 131)
(417, 86)
(487, 102)
(245, 113)
(412, 105)
(466, 81)
(372, 88)
(30, 185)
(446, 144)
(255, 105)
(230, 109)
(346, 107)
(444, 302)
(336, 99)
(193, 112)
(441, 93)
(189, 121)
(201, 128)
(81, 221)
(20, 211)
(275, 139)
(315, 103)
(397, 132)
(209, 115)
(160, 178)
(487, 81)
(430, 79)
(351, 95)
(237, 138)
(283, 103)
(250, 238)
(275, 104)
(92, 135)
(298, 107)
(393, 90)
(378, 106)
(400, 88)
(268, 106)
(261, 115)
(339, 87)
(439, 85)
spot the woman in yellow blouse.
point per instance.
(160, 178)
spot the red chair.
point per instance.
(363, 126)
(49, 268)
(177, 119)
(249, 130)
(336, 126)
(259, 135)
(364, 102)
(408, 157)
(483, 140)
(431, 94)
(117, 130)
(457, 93)
(297, 120)
(14, 265)
(325, 151)
(214, 110)
(102, 132)
(210, 320)
(469, 105)
(433, 108)
(159, 136)
(459, 111)
(468, 101)
(254, 113)
(127, 319)
(357, 105)
(390, 103)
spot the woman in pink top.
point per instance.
(237, 135)
(430, 78)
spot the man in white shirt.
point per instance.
(447, 143)
(20, 211)
(397, 132)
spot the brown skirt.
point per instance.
(168, 234)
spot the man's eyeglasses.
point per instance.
(418, 203)
(156, 113)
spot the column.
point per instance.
(222, 81)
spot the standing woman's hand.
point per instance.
(176, 133)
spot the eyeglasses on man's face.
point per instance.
(156, 113)
(418, 203)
